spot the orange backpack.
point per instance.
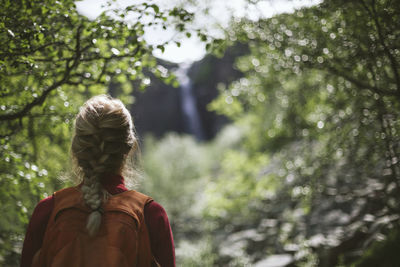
(122, 240)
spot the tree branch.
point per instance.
(40, 100)
(361, 84)
(381, 38)
(70, 65)
(132, 54)
(25, 53)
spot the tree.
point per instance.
(319, 105)
(51, 60)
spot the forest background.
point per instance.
(306, 172)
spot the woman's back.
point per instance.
(89, 220)
(122, 239)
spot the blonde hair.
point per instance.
(104, 136)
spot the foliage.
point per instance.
(382, 253)
(318, 166)
(176, 171)
(169, 181)
(309, 168)
(196, 253)
(51, 60)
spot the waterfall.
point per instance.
(192, 123)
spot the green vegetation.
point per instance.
(309, 167)
(51, 60)
(382, 253)
(317, 170)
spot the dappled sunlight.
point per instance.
(269, 132)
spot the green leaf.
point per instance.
(161, 47)
(156, 8)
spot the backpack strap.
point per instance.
(67, 198)
(133, 202)
(130, 202)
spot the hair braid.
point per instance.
(103, 137)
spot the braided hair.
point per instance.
(103, 138)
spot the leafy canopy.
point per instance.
(51, 60)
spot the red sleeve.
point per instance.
(161, 239)
(36, 229)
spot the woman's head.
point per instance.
(103, 138)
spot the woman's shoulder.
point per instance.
(155, 214)
(41, 213)
(154, 207)
(44, 206)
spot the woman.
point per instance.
(99, 222)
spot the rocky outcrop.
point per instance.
(206, 74)
(158, 109)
